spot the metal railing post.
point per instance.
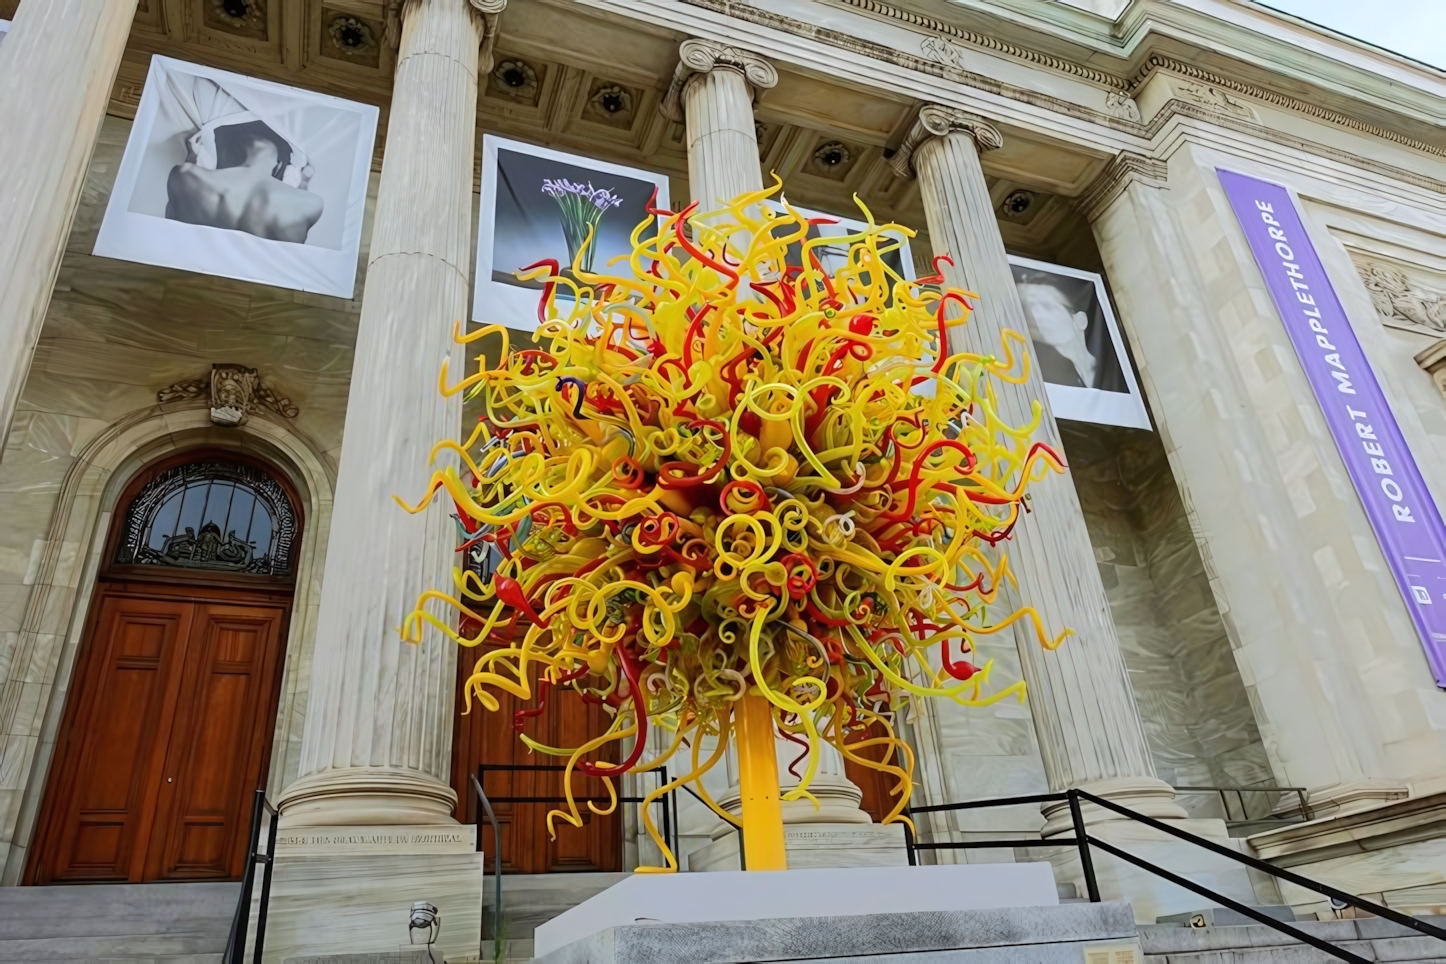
(236, 945)
(265, 882)
(497, 948)
(1086, 860)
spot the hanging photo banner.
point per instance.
(539, 204)
(1077, 345)
(241, 178)
(4, 29)
(1387, 480)
(832, 257)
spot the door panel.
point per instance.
(483, 737)
(167, 732)
(217, 746)
(109, 760)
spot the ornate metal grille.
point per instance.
(212, 514)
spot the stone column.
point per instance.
(57, 66)
(713, 92)
(1089, 729)
(377, 745)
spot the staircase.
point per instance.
(1370, 938)
(159, 923)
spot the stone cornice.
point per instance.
(935, 120)
(697, 56)
(1175, 108)
(1113, 81)
(1119, 174)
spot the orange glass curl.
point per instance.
(726, 469)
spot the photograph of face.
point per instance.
(540, 204)
(1076, 345)
(242, 173)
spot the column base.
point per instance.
(1144, 795)
(838, 802)
(1154, 897)
(366, 797)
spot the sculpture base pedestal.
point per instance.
(669, 899)
(1068, 934)
(814, 845)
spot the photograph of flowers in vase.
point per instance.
(540, 204)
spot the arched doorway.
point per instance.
(167, 728)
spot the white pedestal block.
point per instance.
(741, 896)
(815, 845)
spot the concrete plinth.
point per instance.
(1067, 934)
(813, 845)
(740, 896)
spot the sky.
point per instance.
(1416, 28)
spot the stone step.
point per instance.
(185, 923)
(1371, 938)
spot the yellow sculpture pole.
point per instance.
(758, 781)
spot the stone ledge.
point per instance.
(1388, 825)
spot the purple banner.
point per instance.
(1402, 513)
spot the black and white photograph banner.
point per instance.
(833, 256)
(242, 178)
(1077, 346)
(540, 204)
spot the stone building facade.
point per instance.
(1238, 625)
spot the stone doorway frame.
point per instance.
(64, 582)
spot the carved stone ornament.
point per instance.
(1121, 104)
(233, 392)
(1398, 300)
(700, 57)
(935, 120)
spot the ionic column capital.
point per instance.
(936, 120)
(704, 56)
(396, 11)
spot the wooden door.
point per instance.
(483, 737)
(166, 735)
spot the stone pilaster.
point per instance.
(1084, 712)
(379, 726)
(57, 66)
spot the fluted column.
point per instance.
(713, 92)
(377, 743)
(57, 66)
(1089, 729)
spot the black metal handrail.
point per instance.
(670, 806)
(1084, 841)
(236, 942)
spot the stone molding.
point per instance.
(936, 120)
(1399, 301)
(1432, 360)
(1388, 824)
(1118, 116)
(697, 56)
(1122, 171)
(233, 392)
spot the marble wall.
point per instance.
(1194, 705)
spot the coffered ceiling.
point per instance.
(572, 78)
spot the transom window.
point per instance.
(211, 514)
